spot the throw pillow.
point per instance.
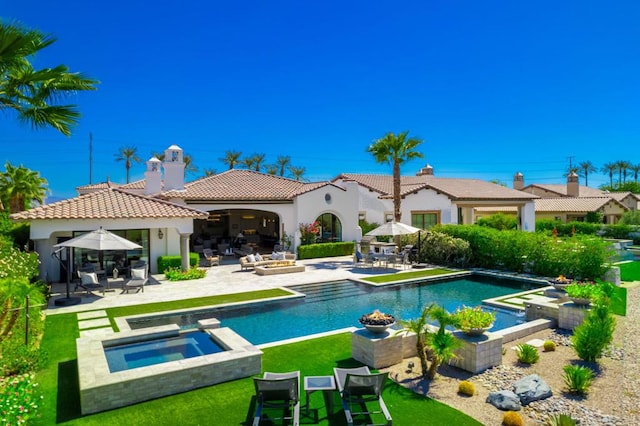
(89, 278)
(138, 274)
(251, 258)
(258, 257)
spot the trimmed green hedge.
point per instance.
(175, 261)
(580, 256)
(314, 251)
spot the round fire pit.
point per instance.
(377, 322)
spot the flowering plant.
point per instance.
(309, 232)
(377, 318)
(468, 318)
(19, 404)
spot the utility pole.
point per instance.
(90, 158)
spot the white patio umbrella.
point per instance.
(393, 228)
(100, 240)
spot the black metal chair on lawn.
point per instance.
(278, 392)
(359, 387)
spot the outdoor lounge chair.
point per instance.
(210, 258)
(357, 387)
(139, 278)
(278, 391)
(89, 280)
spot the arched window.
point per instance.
(330, 228)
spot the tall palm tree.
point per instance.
(189, 167)
(635, 169)
(34, 94)
(271, 169)
(257, 160)
(297, 172)
(231, 158)
(584, 169)
(247, 163)
(209, 172)
(282, 162)
(129, 155)
(609, 168)
(623, 167)
(395, 150)
(20, 186)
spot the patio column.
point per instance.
(184, 251)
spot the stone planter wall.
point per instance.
(377, 350)
(571, 315)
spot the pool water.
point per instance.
(336, 305)
(157, 351)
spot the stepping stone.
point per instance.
(538, 343)
(97, 332)
(91, 315)
(94, 323)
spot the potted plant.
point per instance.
(582, 293)
(377, 322)
(473, 320)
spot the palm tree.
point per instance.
(231, 158)
(257, 160)
(624, 168)
(609, 168)
(584, 169)
(635, 169)
(396, 150)
(271, 169)
(247, 163)
(282, 162)
(189, 167)
(33, 93)
(297, 172)
(419, 326)
(209, 172)
(128, 154)
(19, 186)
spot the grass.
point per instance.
(387, 278)
(629, 271)
(230, 403)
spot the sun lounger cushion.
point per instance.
(138, 274)
(89, 278)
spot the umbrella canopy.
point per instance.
(100, 239)
(393, 228)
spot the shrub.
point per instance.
(577, 378)
(175, 261)
(560, 420)
(465, 387)
(473, 317)
(20, 402)
(314, 251)
(527, 354)
(443, 249)
(583, 290)
(595, 333)
(177, 274)
(511, 418)
(549, 346)
(499, 221)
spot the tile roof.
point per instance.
(457, 189)
(139, 184)
(98, 186)
(109, 204)
(622, 195)
(573, 204)
(560, 189)
(243, 185)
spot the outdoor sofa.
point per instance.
(246, 262)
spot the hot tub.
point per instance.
(180, 369)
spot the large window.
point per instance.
(425, 220)
(330, 228)
(108, 259)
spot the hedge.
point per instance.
(175, 261)
(313, 251)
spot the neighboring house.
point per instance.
(572, 201)
(86, 189)
(429, 200)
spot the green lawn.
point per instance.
(629, 271)
(387, 278)
(229, 403)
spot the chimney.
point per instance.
(573, 188)
(152, 177)
(518, 181)
(173, 168)
(425, 171)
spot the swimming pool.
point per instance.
(339, 304)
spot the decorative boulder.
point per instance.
(531, 388)
(504, 400)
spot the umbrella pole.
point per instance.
(67, 301)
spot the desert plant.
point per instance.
(577, 378)
(560, 420)
(595, 333)
(527, 354)
(468, 318)
(511, 418)
(465, 387)
(549, 346)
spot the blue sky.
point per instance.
(493, 87)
